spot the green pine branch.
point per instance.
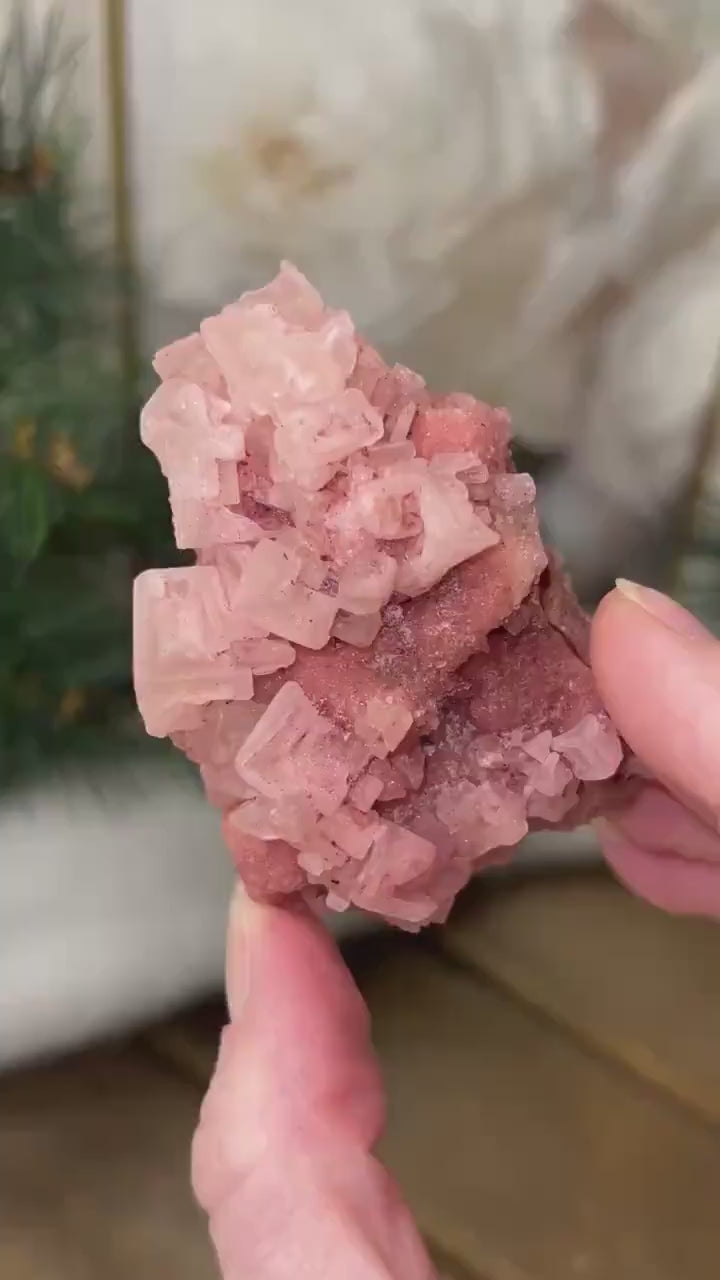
(82, 505)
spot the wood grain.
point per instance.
(517, 1045)
(523, 1156)
(94, 1173)
(637, 984)
(189, 1042)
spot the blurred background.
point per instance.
(520, 198)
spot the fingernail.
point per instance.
(237, 969)
(671, 614)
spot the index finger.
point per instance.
(658, 673)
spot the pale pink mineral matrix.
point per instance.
(381, 676)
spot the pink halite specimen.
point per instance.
(381, 676)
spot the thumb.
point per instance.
(282, 1158)
(658, 673)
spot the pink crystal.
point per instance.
(452, 533)
(360, 630)
(592, 748)
(190, 360)
(383, 724)
(190, 432)
(311, 442)
(182, 649)
(550, 777)
(269, 868)
(382, 677)
(266, 759)
(397, 858)
(366, 584)
(365, 792)
(271, 593)
(351, 830)
(214, 745)
(277, 350)
(198, 525)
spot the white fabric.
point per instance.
(113, 893)
(444, 169)
(113, 899)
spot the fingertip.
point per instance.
(613, 634)
(296, 1056)
(246, 922)
(614, 629)
(630, 611)
(264, 936)
(285, 972)
(661, 685)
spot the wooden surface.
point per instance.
(553, 1066)
(631, 983)
(526, 1156)
(94, 1158)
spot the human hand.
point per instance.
(658, 672)
(282, 1158)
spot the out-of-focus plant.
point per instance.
(82, 506)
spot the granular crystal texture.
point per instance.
(378, 670)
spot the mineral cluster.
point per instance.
(380, 672)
